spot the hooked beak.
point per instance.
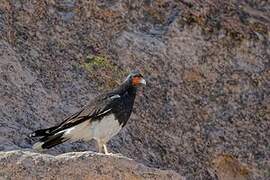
(142, 81)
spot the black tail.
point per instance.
(49, 141)
(42, 132)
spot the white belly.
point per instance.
(105, 129)
(102, 130)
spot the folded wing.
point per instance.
(77, 125)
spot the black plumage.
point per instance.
(108, 112)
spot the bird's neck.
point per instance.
(128, 94)
(126, 88)
(131, 90)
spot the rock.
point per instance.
(229, 168)
(206, 65)
(79, 165)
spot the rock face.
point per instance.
(206, 64)
(77, 166)
(229, 168)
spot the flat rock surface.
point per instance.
(78, 166)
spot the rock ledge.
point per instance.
(77, 165)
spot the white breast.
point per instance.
(106, 128)
(80, 131)
(102, 130)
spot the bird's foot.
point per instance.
(109, 154)
(116, 155)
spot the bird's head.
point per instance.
(135, 79)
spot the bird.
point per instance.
(101, 119)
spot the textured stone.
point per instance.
(206, 64)
(229, 168)
(85, 165)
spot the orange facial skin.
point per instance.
(136, 81)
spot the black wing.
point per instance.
(99, 107)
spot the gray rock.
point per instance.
(79, 165)
(206, 66)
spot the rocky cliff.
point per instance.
(205, 110)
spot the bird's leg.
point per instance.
(102, 148)
(99, 146)
(110, 154)
(105, 150)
